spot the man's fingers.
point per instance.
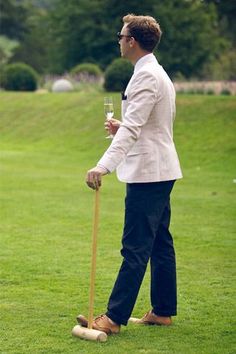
(94, 177)
(94, 180)
(97, 182)
(92, 185)
(112, 125)
(107, 125)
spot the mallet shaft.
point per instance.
(93, 261)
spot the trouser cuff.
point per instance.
(116, 319)
(166, 313)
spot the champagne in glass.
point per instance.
(109, 111)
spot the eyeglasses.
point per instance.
(120, 36)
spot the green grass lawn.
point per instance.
(48, 142)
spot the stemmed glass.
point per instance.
(109, 111)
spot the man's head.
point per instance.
(139, 32)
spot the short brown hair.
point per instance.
(145, 30)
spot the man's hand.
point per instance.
(94, 177)
(112, 125)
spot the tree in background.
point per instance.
(79, 33)
(223, 65)
(57, 35)
(7, 47)
(13, 19)
(85, 31)
(190, 36)
(34, 46)
(226, 15)
(23, 34)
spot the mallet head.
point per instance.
(90, 334)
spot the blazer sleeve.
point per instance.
(141, 100)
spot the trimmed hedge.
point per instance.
(19, 77)
(118, 74)
(88, 69)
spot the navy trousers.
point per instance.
(146, 236)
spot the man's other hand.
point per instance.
(112, 125)
(94, 177)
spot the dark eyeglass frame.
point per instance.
(120, 36)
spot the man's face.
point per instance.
(124, 42)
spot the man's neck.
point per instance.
(138, 56)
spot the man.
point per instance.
(144, 155)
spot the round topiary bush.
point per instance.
(118, 74)
(19, 77)
(88, 69)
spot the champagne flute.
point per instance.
(109, 111)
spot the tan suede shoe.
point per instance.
(82, 320)
(101, 323)
(151, 319)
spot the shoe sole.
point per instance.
(140, 322)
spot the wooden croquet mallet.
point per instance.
(79, 331)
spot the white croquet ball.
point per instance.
(62, 85)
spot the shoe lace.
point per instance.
(100, 316)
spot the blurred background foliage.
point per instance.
(199, 36)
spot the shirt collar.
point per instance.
(144, 60)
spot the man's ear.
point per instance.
(131, 42)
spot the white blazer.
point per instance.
(143, 149)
